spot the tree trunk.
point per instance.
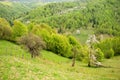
(73, 64)
(32, 56)
(74, 56)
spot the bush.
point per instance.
(99, 54)
(5, 30)
(30, 26)
(109, 47)
(116, 45)
(60, 45)
(42, 32)
(47, 27)
(76, 47)
(37, 28)
(73, 41)
(56, 43)
(19, 29)
(33, 44)
(83, 54)
(109, 53)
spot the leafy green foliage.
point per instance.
(44, 31)
(48, 10)
(100, 55)
(10, 11)
(116, 45)
(83, 54)
(109, 53)
(60, 45)
(5, 29)
(109, 47)
(19, 29)
(56, 43)
(102, 15)
(79, 51)
(73, 41)
(76, 48)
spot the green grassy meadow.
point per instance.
(84, 34)
(16, 64)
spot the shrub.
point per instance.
(109, 47)
(5, 30)
(47, 27)
(56, 43)
(116, 45)
(73, 41)
(77, 46)
(19, 29)
(83, 54)
(40, 27)
(30, 27)
(99, 54)
(109, 53)
(42, 32)
(60, 45)
(33, 44)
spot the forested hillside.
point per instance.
(14, 10)
(103, 15)
(11, 11)
(59, 39)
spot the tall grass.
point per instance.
(49, 66)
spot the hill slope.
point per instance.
(11, 11)
(14, 66)
(102, 15)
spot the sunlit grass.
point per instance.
(49, 66)
(84, 34)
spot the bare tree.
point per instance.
(33, 43)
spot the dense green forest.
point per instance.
(102, 15)
(13, 10)
(75, 33)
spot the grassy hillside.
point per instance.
(84, 35)
(51, 27)
(16, 64)
(11, 11)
